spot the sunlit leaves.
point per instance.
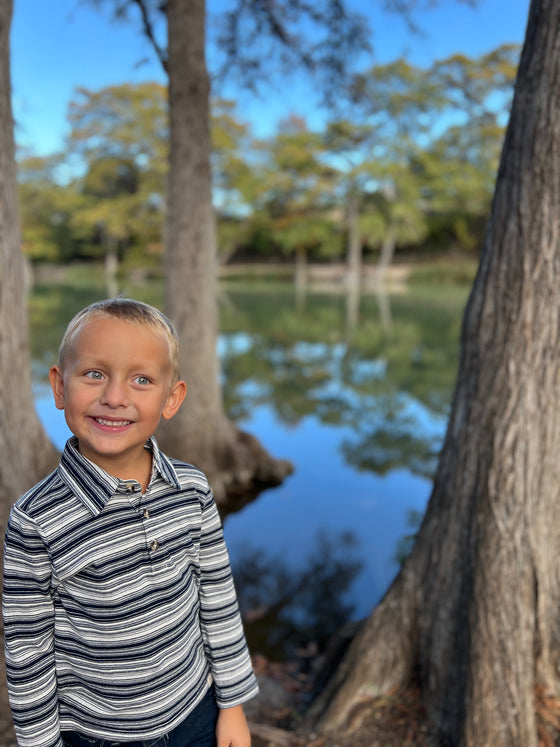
(414, 166)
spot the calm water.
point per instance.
(357, 399)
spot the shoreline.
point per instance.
(328, 276)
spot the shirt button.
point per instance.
(130, 487)
(154, 546)
(146, 514)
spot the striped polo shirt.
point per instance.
(119, 607)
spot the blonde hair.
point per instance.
(128, 310)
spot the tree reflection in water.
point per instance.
(287, 608)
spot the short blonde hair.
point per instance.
(128, 310)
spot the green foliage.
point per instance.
(120, 137)
(295, 193)
(127, 120)
(435, 144)
(235, 183)
(46, 210)
(414, 165)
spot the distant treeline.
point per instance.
(411, 167)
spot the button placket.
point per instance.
(132, 489)
(153, 544)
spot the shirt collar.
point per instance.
(93, 486)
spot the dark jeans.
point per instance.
(197, 730)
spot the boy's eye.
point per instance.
(97, 375)
(142, 380)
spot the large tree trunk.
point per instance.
(473, 616)
(200, 433)
(27, 454)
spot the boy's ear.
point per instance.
(57, 386)
(174, 400)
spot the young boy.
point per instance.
(120, 616)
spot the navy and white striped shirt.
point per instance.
(119, 608)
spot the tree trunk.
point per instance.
(387, 253)
(111, 264)
(27, 454)
(354, 248)
(300, 276)
(473, 616)
(234, 462)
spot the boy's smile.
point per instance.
(115, 386)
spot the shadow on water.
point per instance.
(287, 606)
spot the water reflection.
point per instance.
(302, 362)
(287, 605)
(395, 443)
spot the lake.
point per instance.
(355, 393)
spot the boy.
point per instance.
(120, 616)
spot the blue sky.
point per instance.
(57, 46)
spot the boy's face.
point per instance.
(115, 387)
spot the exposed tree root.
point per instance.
(244, 471)
(236, 464)
(547, 708)
(396, 719)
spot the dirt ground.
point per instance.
(275, 716)
(396, 720)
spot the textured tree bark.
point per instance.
(235, 463)
(473, 616)
(27, 454)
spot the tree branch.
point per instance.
(149, 31)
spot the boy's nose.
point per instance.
(114, 394)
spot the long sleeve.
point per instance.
(222, 629)
(29, 634)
